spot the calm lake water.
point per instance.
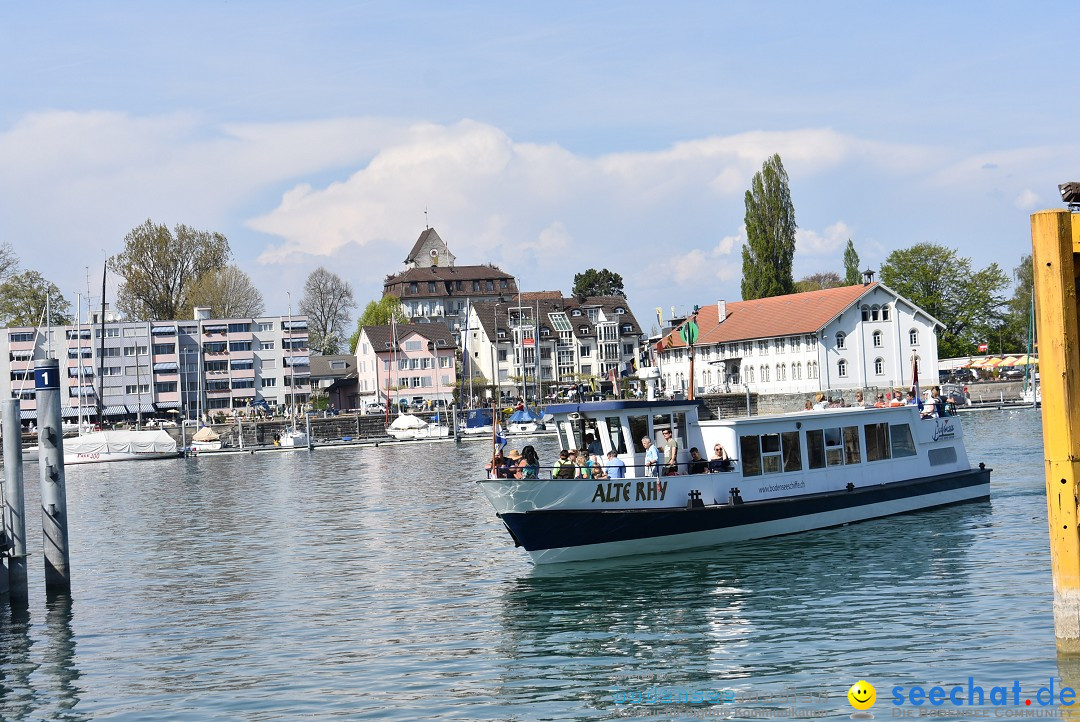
(376, 583)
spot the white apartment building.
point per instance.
(839, 338)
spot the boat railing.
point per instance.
(549, 473)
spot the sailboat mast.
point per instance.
(101, 356)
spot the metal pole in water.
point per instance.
(14, 503)
(307, 428)
(1055, 236)
(54, 522)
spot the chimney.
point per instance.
(721, 311)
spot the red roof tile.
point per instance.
(796, 313)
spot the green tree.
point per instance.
(327, 301)
(1014, 332)
(852, 274)
(377, 313)
(819, 281)
(228, 292)
(770, 234)
(598, 283)
(970, 303)
(159, 267)
(23, 300)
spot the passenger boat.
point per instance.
(789, 473)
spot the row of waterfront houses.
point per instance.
(470, 332)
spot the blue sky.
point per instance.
(547, 138)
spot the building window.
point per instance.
(884, 313)
(239, 328)
(266, 345)
(264, 326)
(879, 366)
(750, 374)
(431, 286)
(875, 313)
(268, 383)
(841, 368)
(413, 288)
(913, 337)
(840, 338)
(877, 339)
(865, 313)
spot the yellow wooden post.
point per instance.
(1055, 243)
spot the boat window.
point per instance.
(639, 429)
(770, 453)
(834, 452)
(659, 423)
(902, 444)
(615, 435)
(750, 455)
(877, 441)
(852, 452)
(792, 451)
(815, 448)
(562, 436)
(945, 455)
(680, 424)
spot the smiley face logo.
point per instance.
(862, 695)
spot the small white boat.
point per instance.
(293, 438)
(101, 446)
(525, 421)
(478, 422)
(206, 439)
(410, 428)
(788, 473)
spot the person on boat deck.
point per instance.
(512, 460)
(819, 401)
(596, 466)
(652, 458)
(859, 399)
(500, 466)
(529, 465)
(911, 400)
(614, 467)
(696, 465)
(880, 403)
(720, 461)
(933, 407)
(808, 405)
(593, 445)
(671, 453)
(563, 468)
(896, 400)
(582, 470)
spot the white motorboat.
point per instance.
(410, 428)
(293, 438)
(525, 421)
(788, 473)
(101, 446)
(478, 422)
(206, 439)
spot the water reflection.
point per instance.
(733, 614)
(38, 679)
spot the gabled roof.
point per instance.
(446, 273)
(321, 366)
(553, 302)
(381, 339)
(796, 313)
(424, 236)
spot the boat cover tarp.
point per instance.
(407, 421)
(205, 434)
(154, 441)
(525, 416)
(477, 418)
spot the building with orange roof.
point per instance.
(860, 336)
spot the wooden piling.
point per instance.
(1055, 239)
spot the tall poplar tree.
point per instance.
(770, 234)
(852, 274)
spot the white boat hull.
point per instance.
(427, 432)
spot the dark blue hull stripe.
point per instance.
(554, 529)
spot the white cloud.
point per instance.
(833, 239)
(1027, 200)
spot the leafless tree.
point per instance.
(327, 301)
(228, 292)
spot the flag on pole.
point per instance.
(915, 379)
(614, 381)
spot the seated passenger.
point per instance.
(696, 465)
(614, 467)
(529, 465)
(896, 400)
(720, 461)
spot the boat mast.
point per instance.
(79, 374)
(292, 374)
(101, 355)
